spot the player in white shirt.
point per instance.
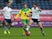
(36, 18)
(7, 15)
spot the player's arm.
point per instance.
(3, 11)
(38, 9)
(11, 15)
(18, 14)
(29, 13)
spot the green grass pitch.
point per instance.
(16, 33)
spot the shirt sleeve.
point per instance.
(4, 9)
(38, 10)
(32, 9)
(19, 13)
(29, 10)
(11, 11)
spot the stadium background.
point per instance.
(45, 17)
(16, 5)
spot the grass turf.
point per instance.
(16, 33)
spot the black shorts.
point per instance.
(36, 20)
(7, 20)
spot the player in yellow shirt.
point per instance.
(24, 13)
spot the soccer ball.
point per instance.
(28, 33)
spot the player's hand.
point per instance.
(31, 21)
(12, 19)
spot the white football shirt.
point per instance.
(35, 12)
(7, 12)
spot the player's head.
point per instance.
(24, 5)
(35, 5)
(8, 4)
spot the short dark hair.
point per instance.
(8, 2)
(35, 4)
(24, 3)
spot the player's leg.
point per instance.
(39, 24)
(9, 22)
(41, 27)
(25, 26)
(6, 26)
(28, 25)
(5, 30)
(31, 22)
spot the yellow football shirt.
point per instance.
(24, 13)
